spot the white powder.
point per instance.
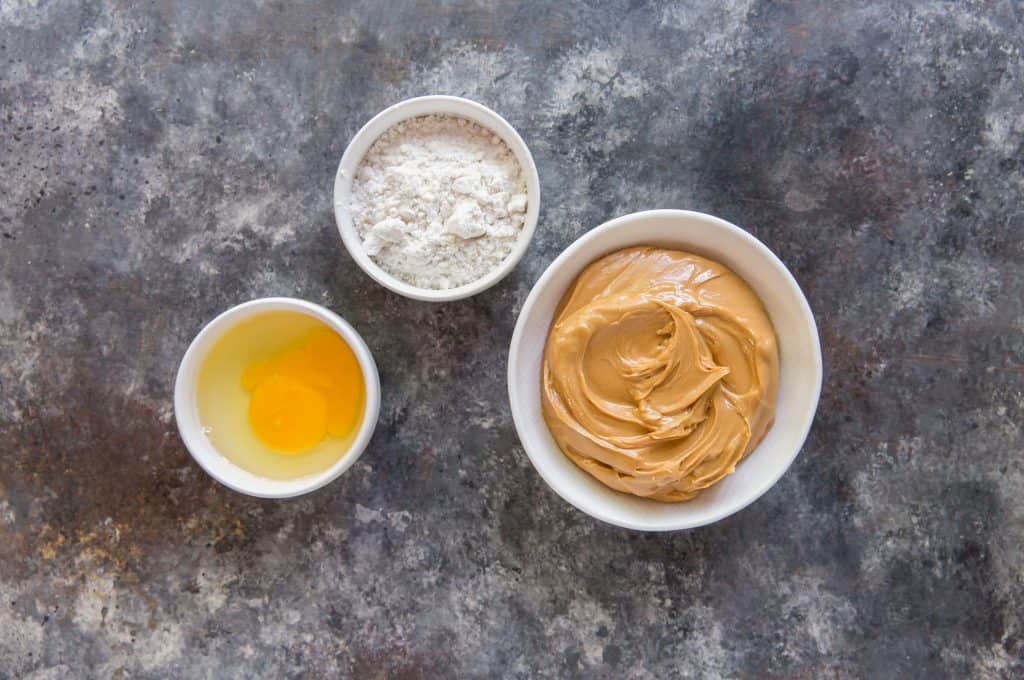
(439, 201)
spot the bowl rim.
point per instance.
(413, 108)
(202, 449)
(566, 257)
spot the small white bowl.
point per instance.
(202, 449)
(799, 379)
(423, 106)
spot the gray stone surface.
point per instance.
(161, 161)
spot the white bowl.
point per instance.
(202, 449)
(423, 106)
(799, 379)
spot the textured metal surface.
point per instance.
(161, 161)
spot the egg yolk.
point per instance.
(309, 391)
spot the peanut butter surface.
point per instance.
(660, 372)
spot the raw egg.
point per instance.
(281, 395)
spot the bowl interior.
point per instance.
(799, 379)
(186, 410)
(422, 106)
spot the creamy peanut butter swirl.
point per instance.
(660, 372)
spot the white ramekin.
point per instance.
(186, 411)
(799, 379)
(423, 106)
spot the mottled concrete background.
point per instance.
(161, 161)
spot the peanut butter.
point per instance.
(660, 372)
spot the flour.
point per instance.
(438, 201)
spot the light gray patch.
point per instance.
(9, 309)
(590, 76)
(798, 201)
(58, 672)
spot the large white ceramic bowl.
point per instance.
(186, 411)
(423, 106)
(799, 379)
